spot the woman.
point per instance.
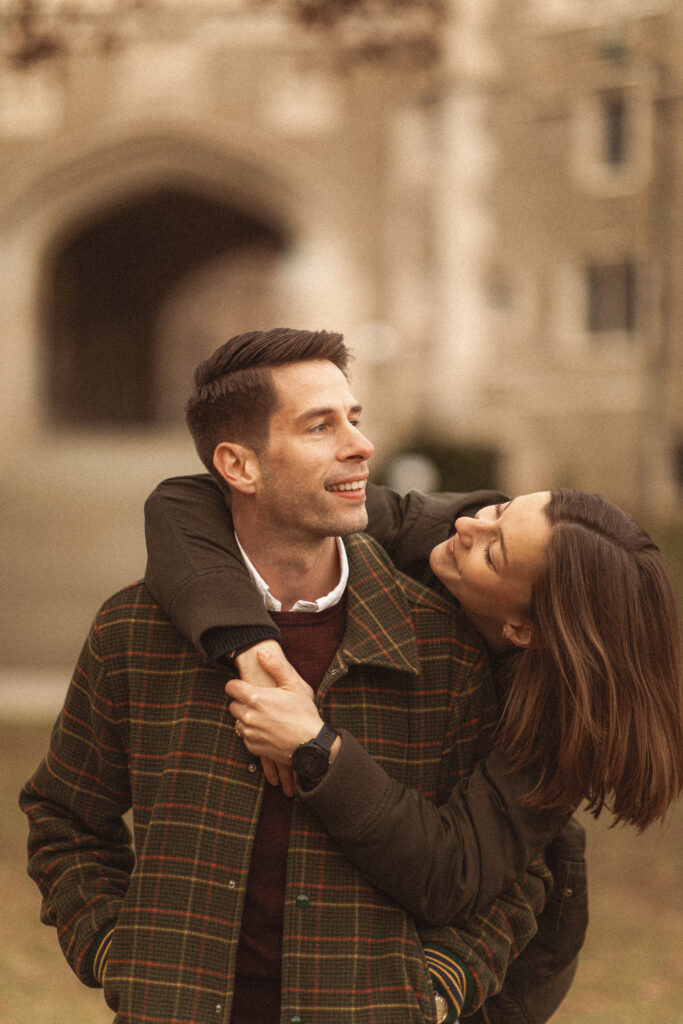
(583, 620)
(579, 612)
(575, 603)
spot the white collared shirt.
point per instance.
(320, 605)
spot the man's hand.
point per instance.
(265, 665)
(275, 720)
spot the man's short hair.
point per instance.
(235, 396)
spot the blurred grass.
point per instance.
(36, 985)
(631, 969)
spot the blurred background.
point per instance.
(484, 196)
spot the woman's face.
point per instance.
(492, 561)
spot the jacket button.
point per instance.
(296, 1019)
(232, 884)
(252, 767)
(302, 902)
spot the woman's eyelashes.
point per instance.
(488, 554)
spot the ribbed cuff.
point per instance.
(97, 958)
(220, 644)
(450, 979)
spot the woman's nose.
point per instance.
(464, 526)
(468, 528)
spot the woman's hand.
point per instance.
(251, 670)
(276, 714)
(249, 664)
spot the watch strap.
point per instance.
(325, 738)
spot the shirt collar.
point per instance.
(320, 605)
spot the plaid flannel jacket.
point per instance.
(146, 725)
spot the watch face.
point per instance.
(310, 762)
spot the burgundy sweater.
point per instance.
(310, 641)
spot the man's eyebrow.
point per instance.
(323, 411)
(314, 414)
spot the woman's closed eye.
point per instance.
(498, 509)
(487, 553)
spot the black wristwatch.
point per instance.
(311, 760)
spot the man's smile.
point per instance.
(349, 485)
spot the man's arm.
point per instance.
(489, 942)
(79, 847)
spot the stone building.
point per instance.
(587, 271)
(498, 240)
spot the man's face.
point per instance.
(313, 470)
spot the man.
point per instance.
(238, 907)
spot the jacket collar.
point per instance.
(379, 628)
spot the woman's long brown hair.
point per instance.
(596, 702)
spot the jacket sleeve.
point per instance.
(79, 848)
(195, 572)
(441, 863)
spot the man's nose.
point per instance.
(357, 445)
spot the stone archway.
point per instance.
(50, 219)
(87, 247)
(109, 361)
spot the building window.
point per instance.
(614, 127)
(612, 130)
(611, 297)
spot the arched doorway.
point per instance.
(119, 341)
(128, 261)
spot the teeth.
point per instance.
(357, 485)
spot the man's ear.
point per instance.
(519, 633)
(238, 465)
